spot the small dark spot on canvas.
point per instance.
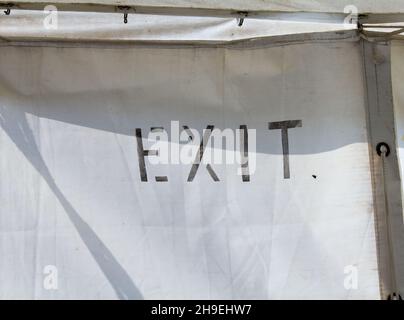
(314, 176)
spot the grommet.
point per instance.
(383, 147)
(394, 296)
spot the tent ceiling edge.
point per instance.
(268, 41)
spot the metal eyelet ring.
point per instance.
(380, 146)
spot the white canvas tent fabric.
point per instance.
(71, 190)
(327, 6)
(29, 25)
(397, 81)
(73, 196)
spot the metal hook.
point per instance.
(125, 10)
(7, 11)
(240, 19)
